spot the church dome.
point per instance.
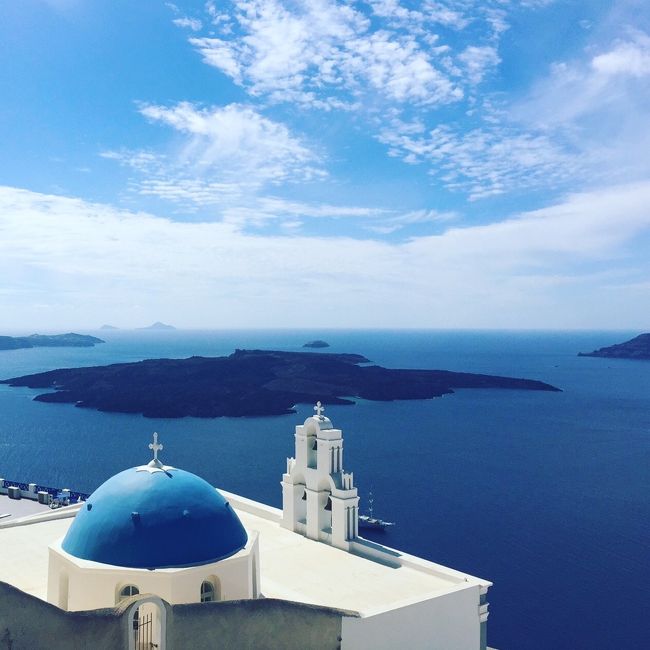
(153, 517)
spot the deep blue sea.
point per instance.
(545, 494)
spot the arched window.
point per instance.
(128, 590)
(207, 592)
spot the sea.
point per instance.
(546, 494)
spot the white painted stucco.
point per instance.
(74, 584)
(446, 622)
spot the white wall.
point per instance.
(91, 585)
(447, 622)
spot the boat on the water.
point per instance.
(370, 521)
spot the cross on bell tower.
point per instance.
(319, 408)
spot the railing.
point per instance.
(31, 490)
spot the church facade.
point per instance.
(156, 554)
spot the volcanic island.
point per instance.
(249, 383)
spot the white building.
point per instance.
(319, 499)
(154, 544)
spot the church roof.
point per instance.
(153, 517)
(335, 578)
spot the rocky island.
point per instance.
(248, 383)
(158, 326)
(69, 340)
(636, 348)
(316, 344)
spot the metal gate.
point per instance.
(143, 632)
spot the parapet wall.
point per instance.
(28, 623)
(255, 625)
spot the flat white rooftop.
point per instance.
(292, 567)
(13, 508)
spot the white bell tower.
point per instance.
(319, 499)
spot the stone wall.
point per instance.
(255, 625)
(28, 623)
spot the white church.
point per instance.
(158, 558)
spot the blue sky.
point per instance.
(313, 163)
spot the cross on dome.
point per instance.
(155, 464)
(155, 447)
(319, 408)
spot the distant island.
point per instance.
(248, 383)
(69, 340)
(158, 326)
(636, 348)
(316, 344)
(109, 327)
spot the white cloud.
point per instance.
(478, 61)
(78, 263)
(324, 54)
(226, 152)
(259, 211)
(188, 23)
(219, 54)
(399, 69)
(599, 104)
(447, 14)
(389, 58)
(277, 205)
(483, 162)
(237, 198)
(628, 58)
(237, 138)
(393, 223)
(192, 193)
(138, 160)
(607, 82)
(566, 132)
(536, 4)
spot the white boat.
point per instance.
(369, 521)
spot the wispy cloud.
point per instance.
(392, 223)
(262, 210)
(482, 162)
(190, 23)
(524, 269)
(398, 64)
(324, 54)
(601, 83)
(237, 140)
(565, 132)
(478, 61)
(600, 104)
(226, 152)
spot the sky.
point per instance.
(325, 164)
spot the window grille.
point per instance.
(207, 592)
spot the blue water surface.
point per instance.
(545, 494)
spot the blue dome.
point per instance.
(152, 520)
